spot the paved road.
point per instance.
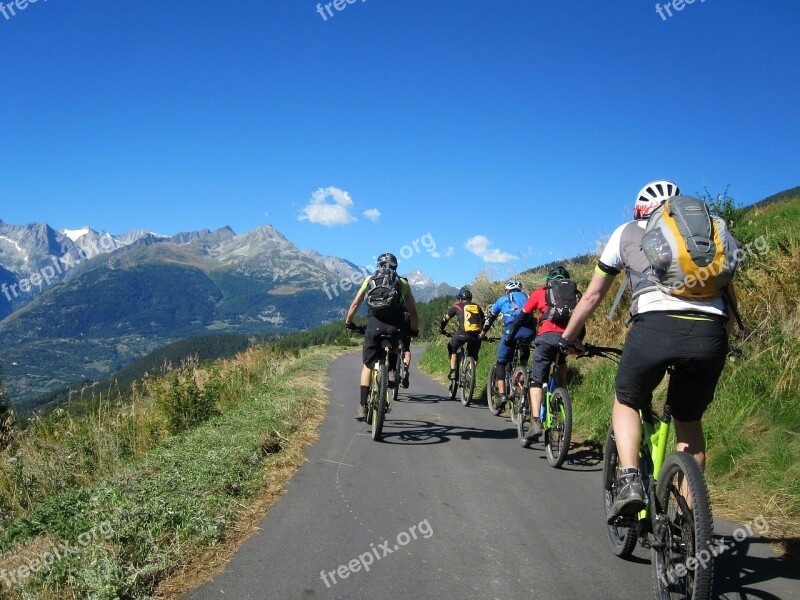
(450, 506)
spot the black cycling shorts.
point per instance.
(373, 335)
(459, 339)
(694, 345)
(545, 352)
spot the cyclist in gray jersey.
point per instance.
(690, 336)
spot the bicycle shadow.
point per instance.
(744, 565)
(434, 399)
(421, 432)
(582, 456)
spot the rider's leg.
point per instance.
(627, 433)
(500, 377)
(536, 400)
(689, 438)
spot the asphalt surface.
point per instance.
(450, 506)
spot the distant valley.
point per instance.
(83, 304)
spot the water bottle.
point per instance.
(544, 399)
(656, 249)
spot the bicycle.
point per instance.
(514, 381)
(556, 410)
(677, 529)
(381, 395)
(465, 374)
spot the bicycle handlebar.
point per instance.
(604, 351)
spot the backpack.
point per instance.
(384, 297)
(473, 323)
(561, 296)
(688, 249)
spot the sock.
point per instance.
(364, 394)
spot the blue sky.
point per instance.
(513, 131)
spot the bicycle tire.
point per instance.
(524, 410)
(380, 406)
(689, 532)
(559, 435)
(398, 370)
(622, 539)
(519, 379)
(467, 380)
(492, 392)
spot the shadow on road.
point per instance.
(736, 571)
(407, 431)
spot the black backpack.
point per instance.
(384, 296)
(561, 296)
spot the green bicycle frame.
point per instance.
(654, 445)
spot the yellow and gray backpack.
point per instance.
(688, 250)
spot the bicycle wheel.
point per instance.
(454, 382)
(379, 412)
(519, 379)
(372, 395)
(467, 380)
(524, 410)
(492, 392)
(683, 563)
(398, 376)
(558, 436)
(622, 539)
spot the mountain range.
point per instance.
(81, 304)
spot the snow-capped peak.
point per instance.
(75, 234)
(417, 277)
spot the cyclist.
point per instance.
(470, 323)
(393, 325)
(545, 346)
(509, 307)
(691, 336)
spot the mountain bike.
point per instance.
(514, 385)
(556, 409)
(465, 374)
(676, 524)
(381, 395)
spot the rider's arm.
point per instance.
(411, 306)
(449, 315)
(597, 290)
(351, 312)
(489, 321)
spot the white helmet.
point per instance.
(652, 195)
(513, 284)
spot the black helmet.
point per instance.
(464, 294)
(387, 259)
(558, 272)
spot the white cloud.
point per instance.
(330, 207)
(448, 253)
(373, 214)
(479, 246)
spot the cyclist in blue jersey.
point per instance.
(509, 306)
